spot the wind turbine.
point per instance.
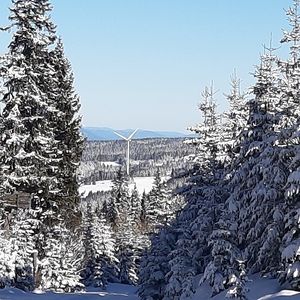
(128, 139)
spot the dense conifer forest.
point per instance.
(170, 155)
(230, 207)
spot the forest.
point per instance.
(170, 155)
(230, 208)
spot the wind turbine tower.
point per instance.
(128, 139)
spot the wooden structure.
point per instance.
(15, 201)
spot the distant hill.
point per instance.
(106, 134)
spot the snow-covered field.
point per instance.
(260, 289)
(142, 184)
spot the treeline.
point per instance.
(242, 211)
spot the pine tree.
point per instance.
(27, 142)
(289, 142)
(100, 265)
(135, 207)
(25, 244)
(159, 209)
(235, 119)
(221, 271)
(118, 204)
(144, 220)
(205, 196)
(154, 265)
(7, 255)
(40, 139)
(69, 141)
(258, 174)
(121, 214)
(59, 268)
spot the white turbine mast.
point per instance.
(128, 139)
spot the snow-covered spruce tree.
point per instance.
(205, 196)
(129, 242)
(119, 201)
(38, 104)
(27, 142)
(143, 218)
(59, 268)
(7, 254)
(125, 253)
(99, 263)
(289, 142)
(221, 271)
(24, 240)
(180, 264)
(118, 213)
(66, 124)
(154, 265)
(159, 210)
(41, 141)
(135, 207)
(235, 119)
(258, 176)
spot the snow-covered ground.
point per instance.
(260, 289)
(142, 184)
(113, 292)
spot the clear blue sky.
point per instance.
(144, 63)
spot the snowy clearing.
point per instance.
(142, 184)
(260, 289)
(113, 292)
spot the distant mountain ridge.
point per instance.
(107, 134)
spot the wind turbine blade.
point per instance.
(121, 136)
(130, 137)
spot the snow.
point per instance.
(142, 184)
(103, 185)
(111, 163)
(113, 292)
(289, 251)
(260, 289)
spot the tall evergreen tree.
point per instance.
(100, 265)
(66, 124)
(59, 267)
(289, 142)
(25, 243)
(118, 205)
(41, 140)
(159, 208)
(154, 265)
(27, 141)
(205, 196)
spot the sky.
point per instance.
(144, 63)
